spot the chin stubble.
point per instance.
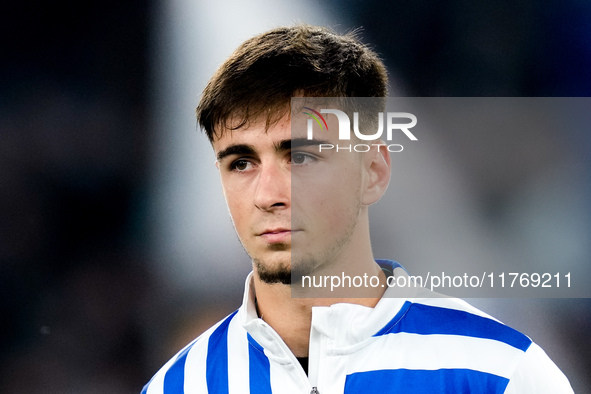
(273, 275)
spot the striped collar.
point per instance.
(348, 326)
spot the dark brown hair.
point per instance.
(262, 75)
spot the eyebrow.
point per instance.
(283, 145)
(238, 149)
(303, 142)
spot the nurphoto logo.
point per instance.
(392, 120)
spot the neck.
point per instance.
(291, 317)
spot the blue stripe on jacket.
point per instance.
(398, 381)
(216, 373)
(174, 380)
(259, 368)
(425, 320)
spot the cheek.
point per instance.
(330, 205)
(240, 218)
(236, 201)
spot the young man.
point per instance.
(298, 209)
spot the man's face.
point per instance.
(292, 206)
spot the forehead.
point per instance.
(260, 135)
(257, 133)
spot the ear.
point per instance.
(377, 169)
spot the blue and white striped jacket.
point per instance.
(413, 345)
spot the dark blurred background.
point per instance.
(85, 303)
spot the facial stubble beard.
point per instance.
(290, 272)
(277, 272)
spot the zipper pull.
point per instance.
(314, 391)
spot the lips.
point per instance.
(276, 235)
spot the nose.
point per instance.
(273, 189)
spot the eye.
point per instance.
(240, 165)
(300, 158)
